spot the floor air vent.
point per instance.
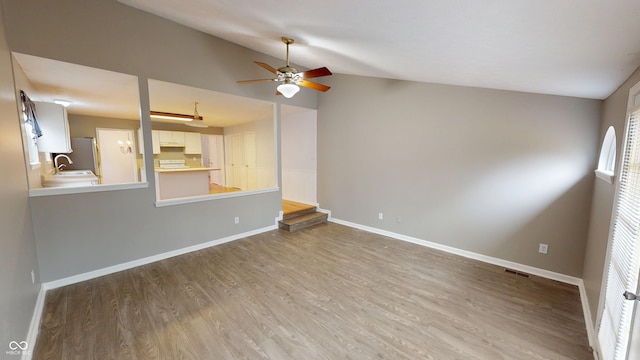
(518, 273)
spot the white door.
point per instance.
(250, 160)
(213, 157)
(235, 161)
(617, 337)
(117, 155)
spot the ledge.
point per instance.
(85, 189)
(192, 199)
(607, 176)
(159, 170)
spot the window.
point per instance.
(607, 160)
(623, 263)
(31, 129)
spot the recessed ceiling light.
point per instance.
(64, 103)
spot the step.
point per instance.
(299, 213)
(303, 221)
(294, 208)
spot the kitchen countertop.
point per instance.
(184, 169)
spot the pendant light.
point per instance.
(197, 121)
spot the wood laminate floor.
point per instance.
(290, 207)
(327, 292)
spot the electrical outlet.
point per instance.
(380, 216)
(33, 277)
(236, 220)
(543, 248)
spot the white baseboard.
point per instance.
(328, 212)
(131, 264)
(468, 254)
(588, 321)
(34, 326)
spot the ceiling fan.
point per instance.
(290, 78)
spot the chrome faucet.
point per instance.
(57, 167)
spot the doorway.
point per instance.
(299, 154)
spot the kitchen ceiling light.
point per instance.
(170, 116)
(64, 103)
(196, 120)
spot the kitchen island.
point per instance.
(182, 182)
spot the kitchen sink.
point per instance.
(76, 172)
(70, 178)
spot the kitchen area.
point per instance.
(82, 133)
(184, 165)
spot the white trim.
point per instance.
(588, 320)
(328, 212)
(192, 199)
(34, 326)
(150, 259)
(605, 175)
(85, 189)
(468, 254)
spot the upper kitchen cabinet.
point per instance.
(154, 141)
(192, 143)
(54, 125)
(101, 111)
(171, 138)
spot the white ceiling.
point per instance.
(217, 109)
(97, 92)
(583, 48)
(92, 91)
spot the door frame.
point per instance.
(633, 105)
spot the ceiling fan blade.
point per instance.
(254, 81)
(313, 85)
(323, 71)
(267, 67)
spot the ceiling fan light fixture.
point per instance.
(288, 89)
(290, 78)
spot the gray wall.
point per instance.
(17, 254)
(492, 172)
(614, 113)
(83, 232)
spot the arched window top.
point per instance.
(607, 160)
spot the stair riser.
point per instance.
(303, 224)
(298, 213)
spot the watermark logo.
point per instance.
(18, 348)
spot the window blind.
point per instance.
(622, 273)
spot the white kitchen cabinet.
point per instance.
(54, 125)
(140, 143)
(155, 138)
(155, 142)
(192, 143)
(171, 138)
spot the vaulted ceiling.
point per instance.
(581, 48)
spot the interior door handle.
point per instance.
(628, 295)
